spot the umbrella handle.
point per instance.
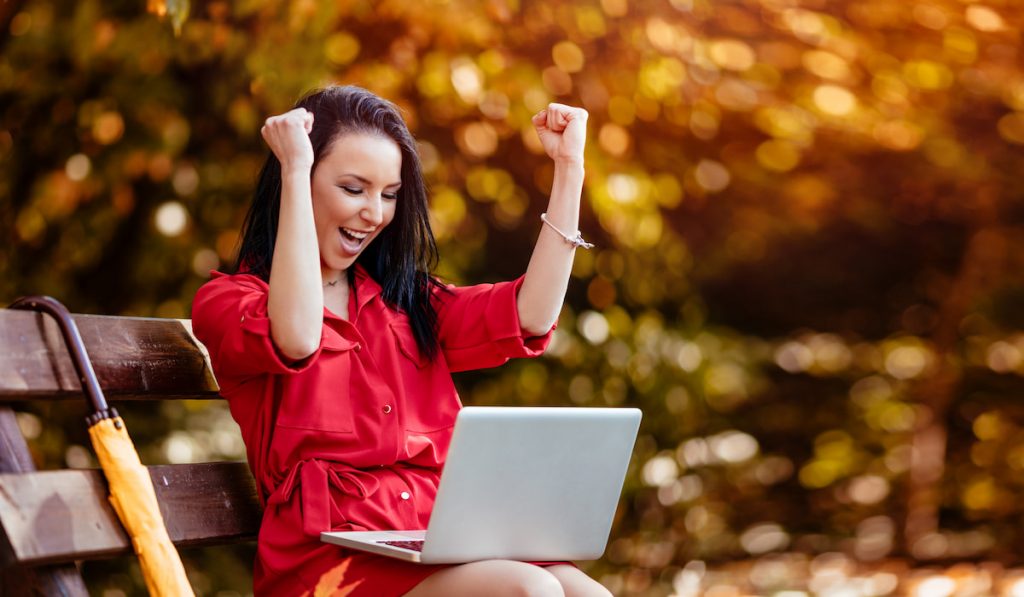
(73, 340)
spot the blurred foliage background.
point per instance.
(808, 216)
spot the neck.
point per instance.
(332, 279)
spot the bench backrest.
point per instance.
(49, 519)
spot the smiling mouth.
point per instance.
(352, 241)
(355, 235)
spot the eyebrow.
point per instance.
(369, 182)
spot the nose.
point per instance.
(373, 210)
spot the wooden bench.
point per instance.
(51, 519)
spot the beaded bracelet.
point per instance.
(575, 241)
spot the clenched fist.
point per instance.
(563, 132)
(288, 137)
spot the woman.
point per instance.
(334, 346)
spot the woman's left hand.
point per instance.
(563, 132)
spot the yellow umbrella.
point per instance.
(134, 499)
(131, 489)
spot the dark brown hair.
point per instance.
(401, 257)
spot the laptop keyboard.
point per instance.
(412, 545)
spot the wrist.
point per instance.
(296, 170)
(569, 164)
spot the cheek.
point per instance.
(320, 203)
(389, 213)
(321, 220)
(325, 218)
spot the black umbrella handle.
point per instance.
(73, 340)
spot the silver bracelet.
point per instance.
(575, 241)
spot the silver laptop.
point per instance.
(530, 484)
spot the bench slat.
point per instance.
(62, 516)
(134, 358)
(61, 579)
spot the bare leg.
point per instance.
(577, 584)
(494, 578)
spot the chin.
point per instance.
(338, 263)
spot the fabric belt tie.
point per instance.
(316, 478)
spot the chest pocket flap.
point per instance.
(406, 343)
(334, 341)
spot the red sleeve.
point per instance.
(478, 326)
(229, 316)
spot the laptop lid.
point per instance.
(530, 483)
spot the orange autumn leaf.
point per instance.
(157, 7)
(178, 10)
(330, 583)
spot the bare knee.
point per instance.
(595, 589)
(518, 579)
(575, 583)
(495, 578)
(537, 583)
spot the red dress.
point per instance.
(354, 436)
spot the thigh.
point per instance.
(577, 584)
(495, 578)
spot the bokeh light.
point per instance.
(806, 272)
(171, 218)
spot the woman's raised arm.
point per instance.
(563, 132)
(296, 301)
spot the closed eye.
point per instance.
(358, 191)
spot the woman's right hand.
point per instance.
(288, 137)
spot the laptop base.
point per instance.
(373, 542)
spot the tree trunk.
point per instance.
(983, 259)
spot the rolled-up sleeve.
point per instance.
(229, 316)
(478, 326)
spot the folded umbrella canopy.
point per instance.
(131, 489)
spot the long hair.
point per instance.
(403, 254)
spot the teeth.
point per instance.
(356, 234)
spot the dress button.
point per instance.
(387, 409)
(405, 495)
(357, 347)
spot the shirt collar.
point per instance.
(365, 288)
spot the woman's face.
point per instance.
(355, 189)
